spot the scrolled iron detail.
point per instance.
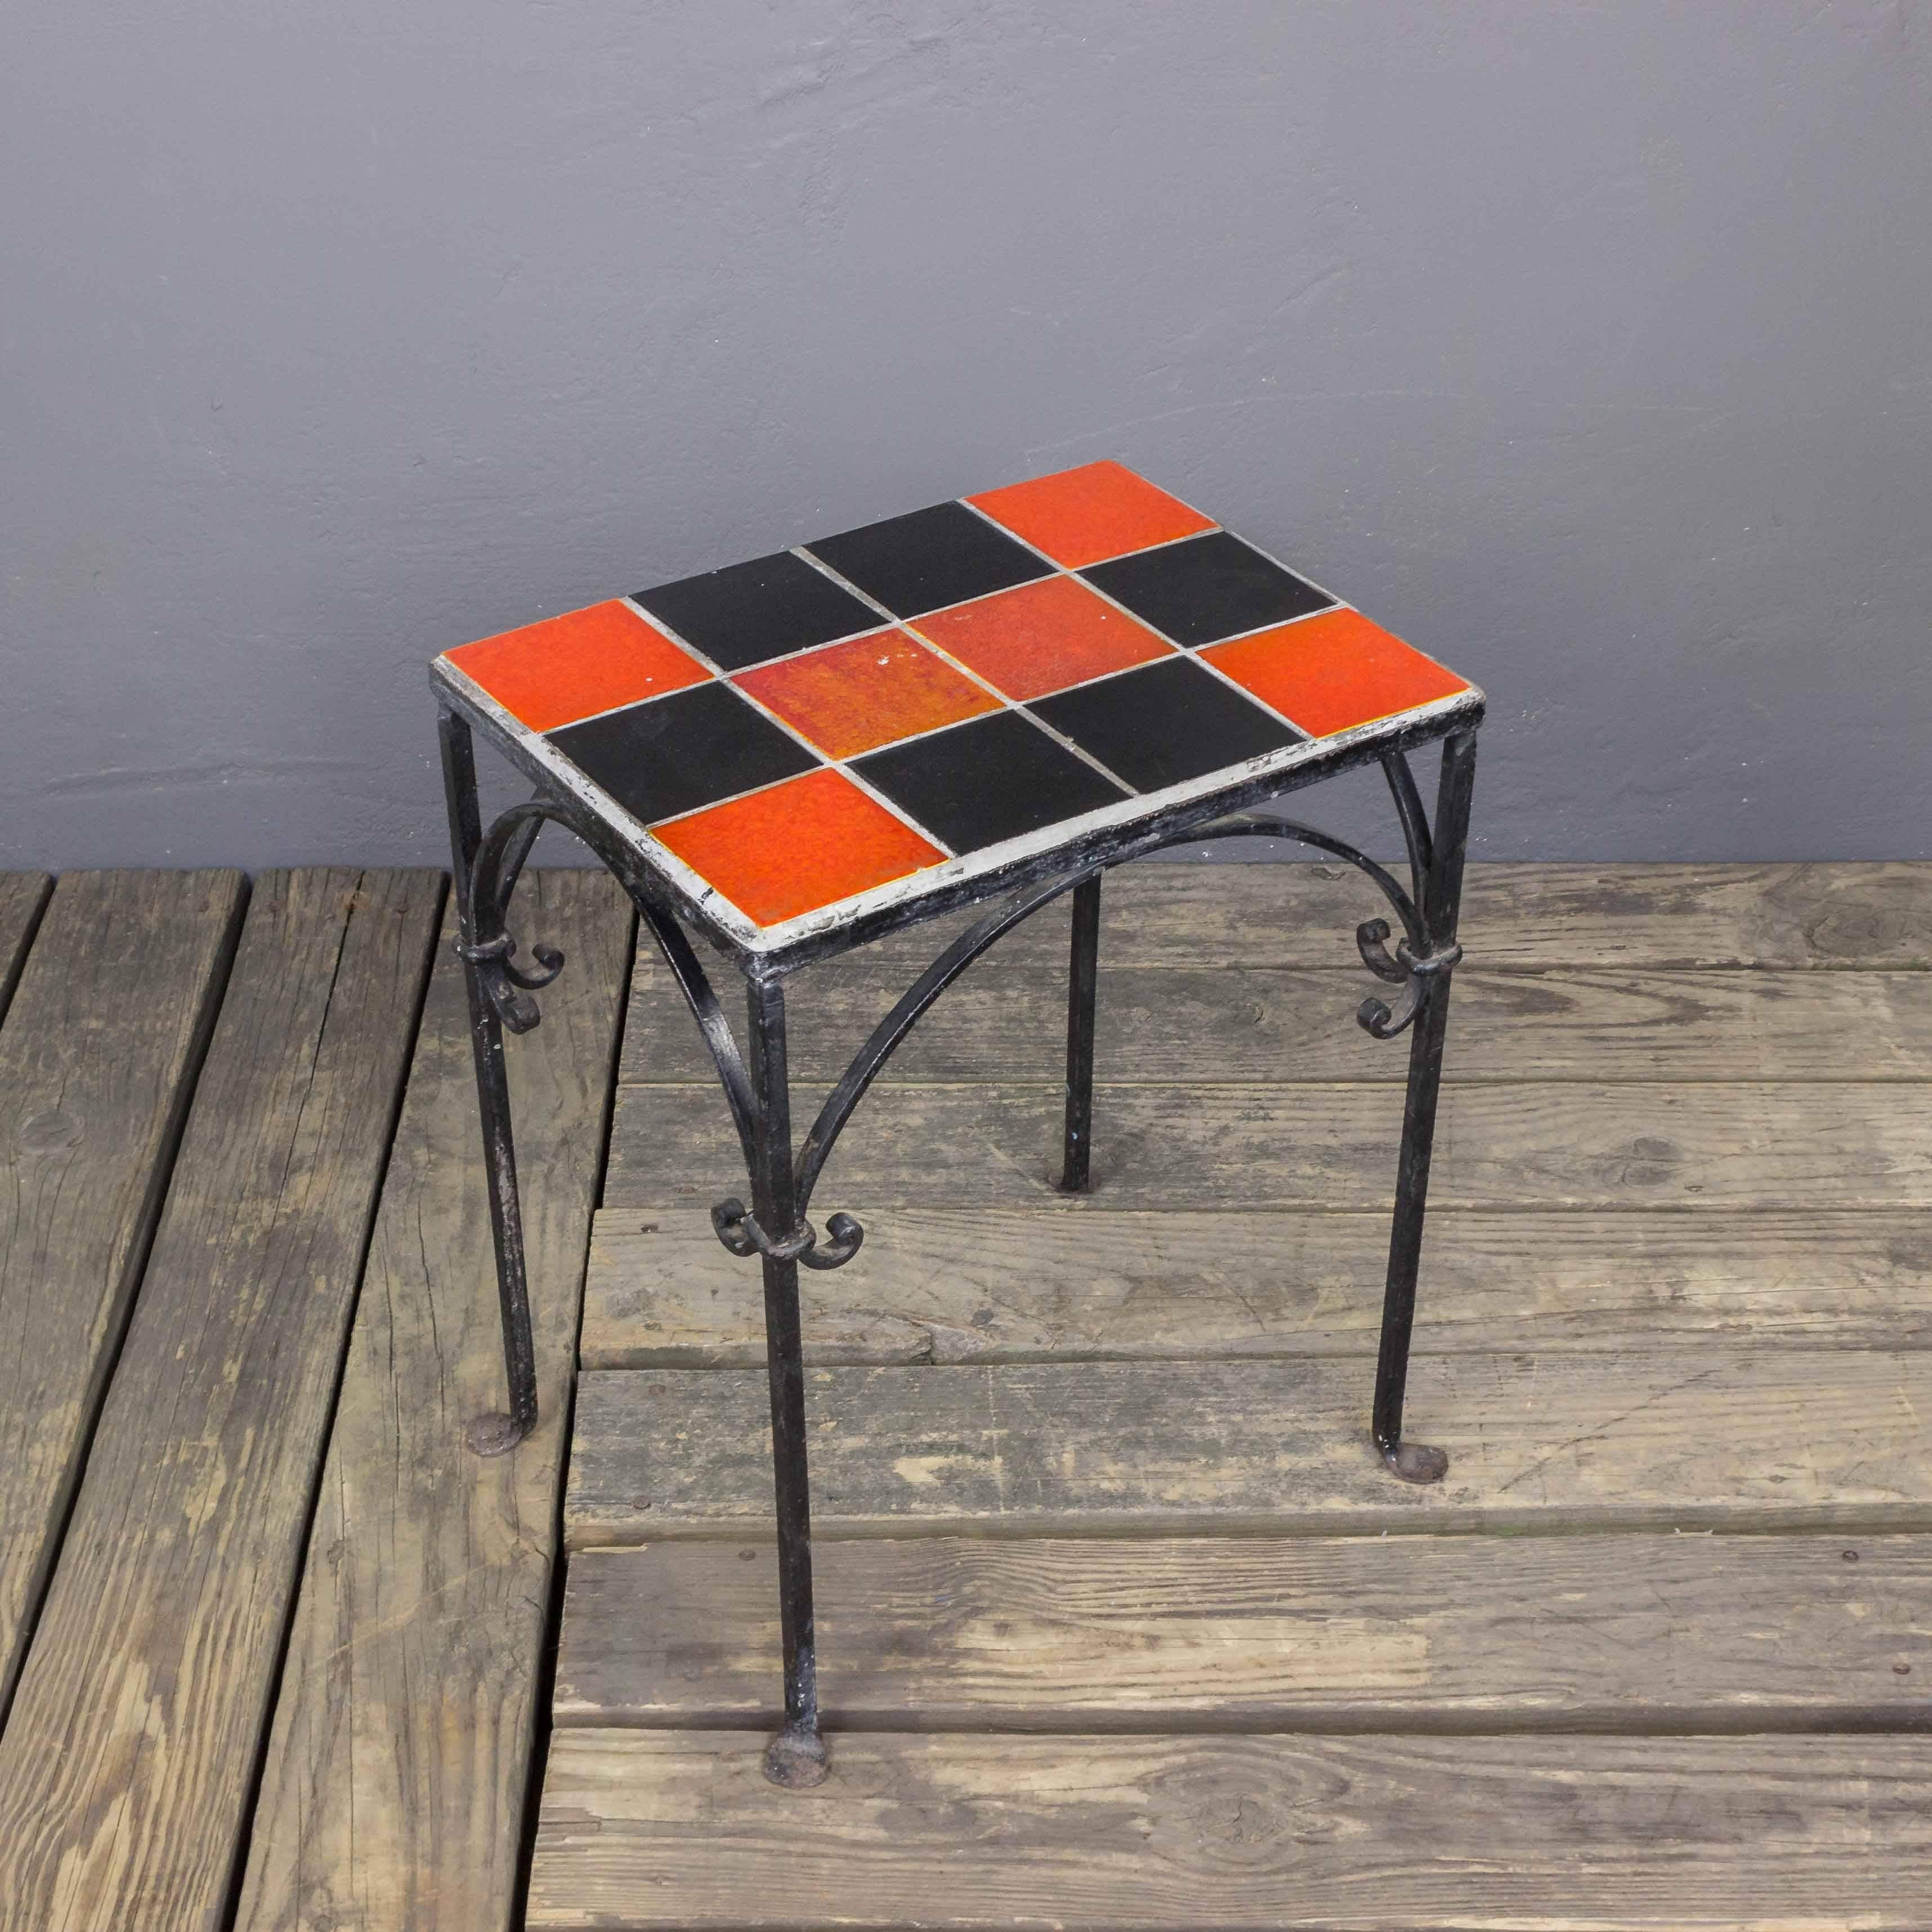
(493, 874)
(1405, 967)
(738, 1228)
(508, 986)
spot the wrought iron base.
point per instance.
(756, 1090)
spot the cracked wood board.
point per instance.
(1759, 1145)
(1557, 915)
(98, 1060)
(394, 1791)
(643, 1828)
(128, 1761)
(23, 897)
(1711, 1438)
(1012, 1284)
(1638, 1633)
(1006, 1020)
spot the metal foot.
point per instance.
(797, 1759)
(495, 1434)
(1417, 1462)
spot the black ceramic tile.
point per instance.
(1164, 723)
(677, 753)
(1206, 588)
(994, 778)
(749, 612)
(929, 558)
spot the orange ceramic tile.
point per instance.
(867, 692)
(568, 667)
(1082, 516)
(792, 847)
(1042, 636)
(1330, 672)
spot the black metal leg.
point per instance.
(1082, 984)
(797, 1756)
(1415, 1461)
(490, 1434)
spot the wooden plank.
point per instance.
(1757, 1145)
(394, 1787)
(1717, 1438)
(1870, 917)
(126, 1768)
(1006, 1021)
(1017, 1284)
(98, 1060)
(1652, 1634)
(678, 1828)
(23, 897)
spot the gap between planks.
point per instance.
(94, 1088)
(399, 1765)
(128, 1760)
(23, 898)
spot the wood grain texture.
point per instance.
(654, 1828)
(126, 1767)
(1862, 916)
(1650, 1633)
(97, 1059)
(1719, 1437)
(1028, 1414)
(1006, 1020)
(393, 1790)
(1017, 1284)
(23, 898)
(1757, 1145)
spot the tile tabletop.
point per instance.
(870, 719)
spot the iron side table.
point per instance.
(1010, 693)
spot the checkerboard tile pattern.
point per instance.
(797, 737)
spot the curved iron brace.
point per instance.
(490, 950)
(500, 858)
(688, 971)
(1411, 962)
(1249, 826)
(1415, 834)
(1414, 960)
(885, 1036)
(507, 845)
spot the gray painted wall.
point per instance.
(1589, 346)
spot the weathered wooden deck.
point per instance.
(1120, 1624)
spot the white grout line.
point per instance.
(1072, 468)
(966, 671)
(576, 783)
(704, 894)
(1272, 711)
(1133, 550)
(906, 626)
(825, 758)
(720, 676)
(707, 899)
(1123, 814)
